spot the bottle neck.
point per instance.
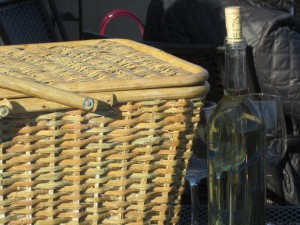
(235, 58)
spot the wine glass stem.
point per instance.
(195, 203)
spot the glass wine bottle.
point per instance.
(236, 142)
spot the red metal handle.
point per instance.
(117, 13)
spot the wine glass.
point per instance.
(276, 141)
(199, 144)
(197, 167)
(272, 113)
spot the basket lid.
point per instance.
(103, 66)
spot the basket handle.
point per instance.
(43, 91)
(117, 13)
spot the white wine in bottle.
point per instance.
(236, 142)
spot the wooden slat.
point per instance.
(32, 88)
(134, 84)
(24, 105)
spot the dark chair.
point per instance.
(28, 21)
(60, 17)
(297, 9)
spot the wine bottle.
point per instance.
(236, 142)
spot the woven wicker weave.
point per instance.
(124, 162)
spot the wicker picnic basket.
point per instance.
(95, 132)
